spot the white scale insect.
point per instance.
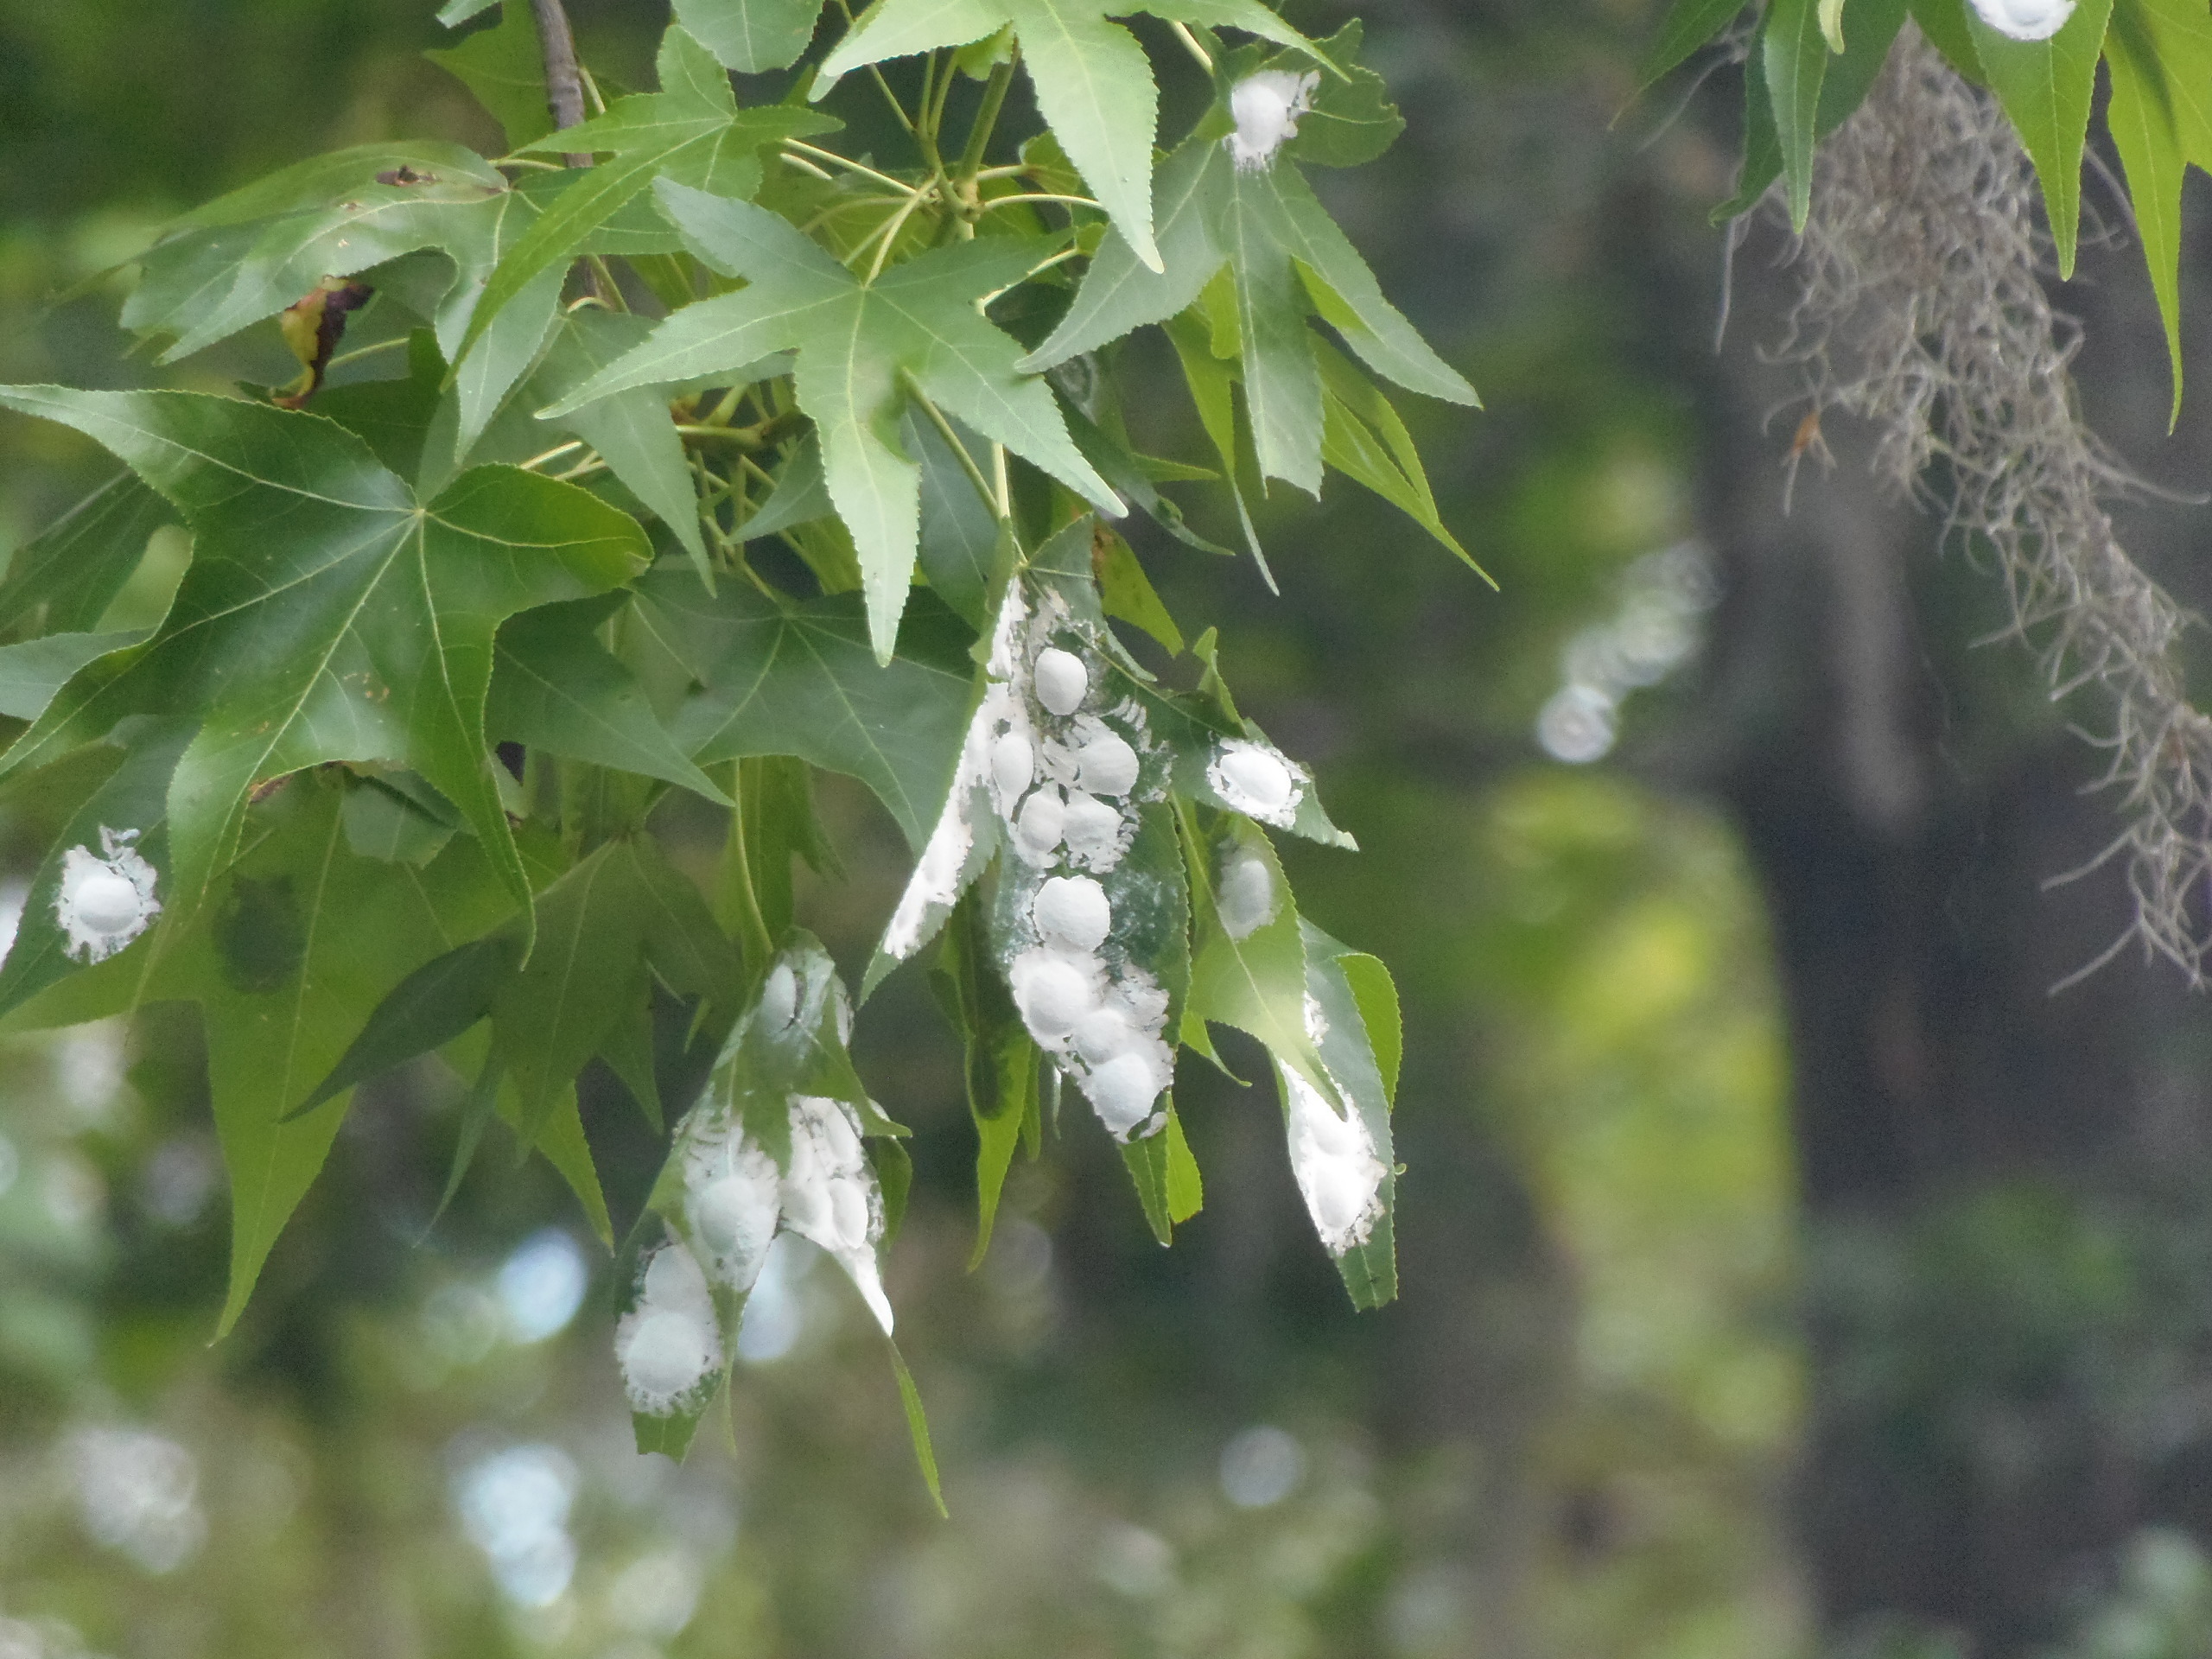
(105, 899)
(1266, 107)
(2025, 20)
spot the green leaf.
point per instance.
(63, 579)
(306, 939)
(393, 417)
(1283, 251)
(1250, 969)
(249, 256)
(1166, 1178)
(30, 673)
(130, 796)
(960, 530)
(1350, 119)
(1363, 438)
(389, 824)
(1001, 1058)
(692, 131)
(1132, 480)
(1125, 591)
(1343, 1017)
(2160, 56)
(800, 496)
(918, 1429)
(557, 688)
(2141, 117)
(561, 1139)
(1690, 24)
(1093, 82)
(2045, 87)
(1794, 58)
(633, 432)
(428, 1009)
(1944, 23)
(328, 616)
(1832, 23)
(552, 1015)
(505, 66)
(684, 944)
(751, 35)
(798, 678)
(1844, 84)
(860, 346)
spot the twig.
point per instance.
(564, 83)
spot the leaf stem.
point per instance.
(554, 454)
(1005, 501)
(393, 344)
(959, 449)
(741, 903)
(987, 118)
(1009, 201)
(1190, 45)
(888, 234)
(817, 153)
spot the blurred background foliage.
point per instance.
(1660, 1386)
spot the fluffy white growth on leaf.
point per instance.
(1102, 1034)
(105, 902)
(779, 998)
(1061, 680)
(1333, 1159)
(668, 1344)
(1103, 761)
(1123, 1089)
(1053, 990)
(1256, 781)
(734, 1213)
(1266, 107)
(1013, 764)
(829, 1195)
(2025, 20)
(1072, 911)
(1246, 899)
(1094, 832)
(1036, 826)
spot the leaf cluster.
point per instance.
(633, 476)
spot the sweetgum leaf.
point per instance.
(2046, 87)
(504, 67)
(1093, 82)
(62, 579)
(1357, 1018)
(1284, 254)
(751, 35)
(798, 678)
(1794, 58)
(557, 688)
(1690, 24)
(329, 615)
(860, 346)
(691, 131)
(2159, 54)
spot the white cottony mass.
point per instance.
(1267, 107)
(105, 902)
(2025, 20)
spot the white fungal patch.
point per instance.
(1246, 900)
(1105, 763)
(1121, 1092)
(829, 1195)
(1061, 680)
(1071, 911)
(1333, 1159)
(105, 899)
(1257, 780)
(1266, 107)
(669, 1345)
(779, 998)
(2025, 20)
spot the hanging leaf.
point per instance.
(860, 346)
(2045, 87)
(1284, 255)
(1794, 58)
(63, 579)
(1845, 82)
(557, 688)
(798, 678)
(1093, 82)
(1001, 1058)
(328, 614)
(1690, 24)
(1166, 1177)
